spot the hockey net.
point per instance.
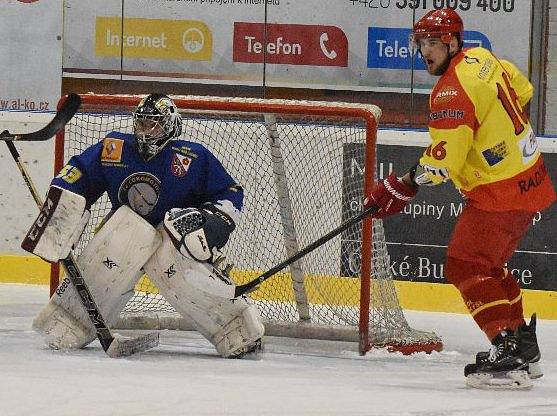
(304, 167)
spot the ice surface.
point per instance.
(184, 376)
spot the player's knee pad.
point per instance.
(196, 291)
(110, 265)
(58, 226)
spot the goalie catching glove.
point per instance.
(390, 196)
(198, 233)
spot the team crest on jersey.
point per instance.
(140, 191)
(445, 95)
(112, 150)
(180, 165)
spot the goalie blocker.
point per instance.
(58, 226)
(112, 264)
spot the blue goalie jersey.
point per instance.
(184, 174)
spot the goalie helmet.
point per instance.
(441, 24)
(156, 121)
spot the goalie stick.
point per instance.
(252, 285)
(63, 115)
(114, 346)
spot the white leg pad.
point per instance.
(111, 266)
(232, 326)
(239, 334)
(60, 329)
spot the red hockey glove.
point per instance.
(390, 195)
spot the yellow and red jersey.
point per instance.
(481, 137)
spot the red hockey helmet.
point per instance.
(440, 24)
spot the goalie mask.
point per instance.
(156, 121)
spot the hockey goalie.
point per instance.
(174, 207)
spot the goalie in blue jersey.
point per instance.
(174, 207)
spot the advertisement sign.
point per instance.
(388, 48)
(347, 44)
(153, 39)
(31, 51)
(417, 238)
(290, 44)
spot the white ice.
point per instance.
(184, 376)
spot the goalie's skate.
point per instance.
(251, 352)
(504, 368)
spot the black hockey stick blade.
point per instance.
(69, 108)
(252, 285)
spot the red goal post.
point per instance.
(293, 159)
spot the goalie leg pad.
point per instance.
(233, 326)
(241, 335)
(60, 328)
(111, 266)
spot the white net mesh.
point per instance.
(302, 176)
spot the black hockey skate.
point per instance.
(505, 367)
(528, 345)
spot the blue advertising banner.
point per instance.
(389, 48)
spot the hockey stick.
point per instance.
(252, 285)
(114, 346)
(63, 115)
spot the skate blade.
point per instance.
(534, 370)
(512, 380)
(253, 356)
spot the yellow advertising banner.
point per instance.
(153, 38)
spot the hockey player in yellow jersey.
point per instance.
(482, 141)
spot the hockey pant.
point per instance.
(481, 244)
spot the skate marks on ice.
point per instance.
(298, 377)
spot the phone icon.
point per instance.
(329, 53)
